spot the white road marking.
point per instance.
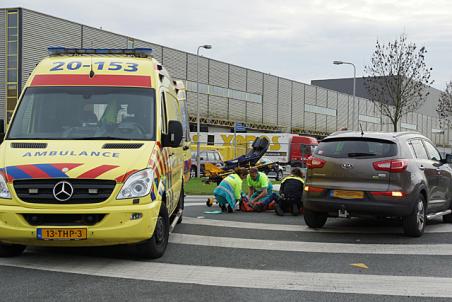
(195, 204)
(438, 228)
(242, 278)
(313, 247)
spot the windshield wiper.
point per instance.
(358, 154)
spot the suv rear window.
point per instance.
(356, 147)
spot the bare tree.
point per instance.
(397, 77)
(444, 108)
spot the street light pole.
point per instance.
(198, 163)
(354, 89)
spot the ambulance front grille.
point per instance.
(84, 190)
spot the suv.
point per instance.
(378, 174)
(210, 156)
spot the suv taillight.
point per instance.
(314, 162)
(390, 165)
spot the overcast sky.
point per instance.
(294, 39)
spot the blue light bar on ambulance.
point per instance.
(137, 52)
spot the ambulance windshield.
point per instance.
(76, 112)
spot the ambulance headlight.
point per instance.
(4, 192)
(138, 184)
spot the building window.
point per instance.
(12, 64)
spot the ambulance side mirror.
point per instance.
(2, 130)
(174, 137)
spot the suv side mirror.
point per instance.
(174, 137)
(2, 130)
(448, 159)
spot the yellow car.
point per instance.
(95, 154)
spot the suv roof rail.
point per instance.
(136, 52)
(397, 134)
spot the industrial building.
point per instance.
(228, 93)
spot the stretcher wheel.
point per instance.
(209, 202)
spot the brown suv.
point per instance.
(378, 174)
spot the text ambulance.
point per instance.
(94, 154)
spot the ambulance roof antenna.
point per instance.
(362, 132)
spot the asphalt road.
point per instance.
(246, 256)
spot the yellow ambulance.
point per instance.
(96, 154)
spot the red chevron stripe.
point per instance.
(124, 176)
(93, 173)
(33, 171)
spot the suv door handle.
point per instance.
(421, 167)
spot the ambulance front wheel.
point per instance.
(155, 247)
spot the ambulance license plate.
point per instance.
(61, 234)
(348, 194)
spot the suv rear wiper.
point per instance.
(358, 154)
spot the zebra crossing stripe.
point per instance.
(313, 247)
(240, 278)
(439, 228)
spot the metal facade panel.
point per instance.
(309, 121)
(156, 49)
(322, 96)
(2, 64)
(425, 125)
(362, 105)
(342, 111)
(284, 102)
(218, 73)
(237, 110)
(237, 77)
(218, 107)
(320, 122)
(98, 38)
(191, 102)
(175, 62)
(270, 100)
(331, 125)
(254, 81)
(332, 99)
(310, 94)
(40, 31)
(203, 69)
(297, 105)
(253, 112)
(370, 108)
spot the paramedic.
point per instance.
(229, 191)
(260, 190)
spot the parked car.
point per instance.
(211, 156)
(273, 169)
(378, 174)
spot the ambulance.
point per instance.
(96, 154)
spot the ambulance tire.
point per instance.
(11, 250)
(155, 247)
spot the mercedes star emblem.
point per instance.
(63, 191)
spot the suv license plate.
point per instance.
(61, 234)
(348, 194)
